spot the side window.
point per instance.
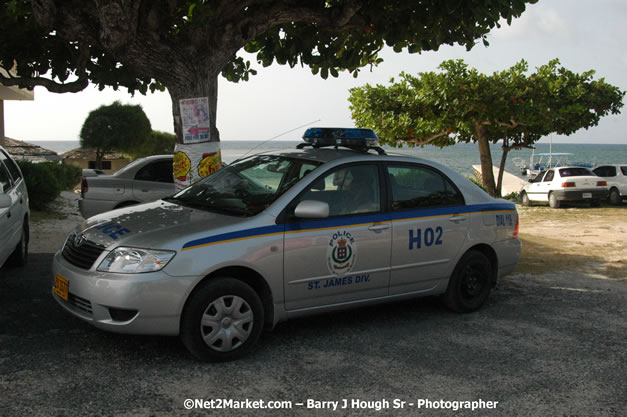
(5, 180)
(348, 190)
(159, 171)
(610, 172)
(539, 177)
(623, 170)
(415, 187)
(549, 176)
(11, 166)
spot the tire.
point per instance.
(525, 199)
(470, 283)
(553, 201)
(615, 197)
(221, 320)
(19, 257)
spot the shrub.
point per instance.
(46, 180)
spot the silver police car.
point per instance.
(282, 235)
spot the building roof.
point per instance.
(90, 154)
(25, 150)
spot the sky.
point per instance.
(582, 34)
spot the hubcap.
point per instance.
(227, 323)
(472, 283)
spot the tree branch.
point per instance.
(54, 87)
(418, 141)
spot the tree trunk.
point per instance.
(499, 183)
(487, 175)
(197, 150)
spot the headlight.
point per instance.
(134, 260)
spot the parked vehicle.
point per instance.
(281, 235)
(546, 161)
(570, 184)
(14, 212)
(616, 177)
(141, 181)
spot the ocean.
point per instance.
(459, 157)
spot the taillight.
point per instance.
(84, 187)
(568, 184)
(601, 183)
(517, 227)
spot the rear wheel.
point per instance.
(553, 201)
(470, 284)
(222, 320)
(19, 257)
(615, 197)
(525, 199)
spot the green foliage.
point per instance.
(513, 196)
(64, 39)
(158, 143)
(46, 180)
(446, 107)
(119, 127)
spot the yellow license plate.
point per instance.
(61, 286)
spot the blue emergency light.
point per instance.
(333, 136)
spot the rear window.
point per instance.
(575, 172)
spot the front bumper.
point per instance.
(149, 303)
(581, 195)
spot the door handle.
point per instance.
(379, 227)
(457, 219)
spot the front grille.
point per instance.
(82, 255)
(81, 304)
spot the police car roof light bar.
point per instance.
(353, 138)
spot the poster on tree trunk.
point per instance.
(193, 162)
(195, 119)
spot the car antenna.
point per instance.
(274, 137)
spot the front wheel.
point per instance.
(525, 199)
(470, 284)
(222, 320)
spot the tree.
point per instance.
(460, 104)
(158, 143)
(119, 127)
(184, 45)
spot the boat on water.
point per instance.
(546, 161)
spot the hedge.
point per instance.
(46, 180)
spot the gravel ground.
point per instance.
(550, 341)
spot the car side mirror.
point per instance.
(312, 209)
(5, 200)
(530, 181)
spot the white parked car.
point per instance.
(142, 181)
(616, 177)
(565, 184)
(14, 212)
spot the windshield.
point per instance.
(247, 187)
